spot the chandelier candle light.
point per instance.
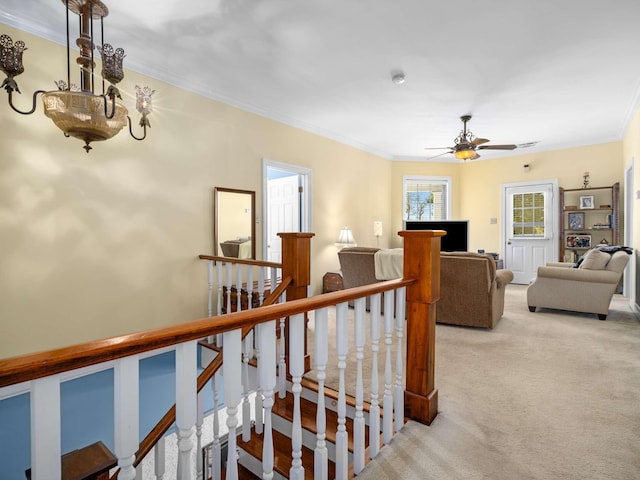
(79, 112)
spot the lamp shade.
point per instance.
(345, 238)
(467, 154)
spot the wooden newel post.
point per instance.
(296, 263)
(421, 262)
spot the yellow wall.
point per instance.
(104, 244)
(477, 186)
(101, 244)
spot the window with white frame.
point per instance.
(426, 198)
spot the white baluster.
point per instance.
(342, 349)
(387, 400)
(159, 458)
(358, 422)
(282, 365)
(399, 393)
(199, 422)
(261, 274)
(258, 404)
(45, 428)
(125, 403)
(229, 285)
(247, 351)
(249, 287)
(216, 451)
(267, 339)
(321, 455)
(374, 410)
(186, 404)
(296, 368)
(219, 283)
(238, 287)
(210, 288)
(221, 299)
(232, 373)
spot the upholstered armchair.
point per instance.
(587, 288)
(471, 290)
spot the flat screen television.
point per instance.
(457, 237)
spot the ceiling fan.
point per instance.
(466, 144)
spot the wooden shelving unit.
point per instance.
(588, 221)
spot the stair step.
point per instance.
(282, 457)
(243, 474)
(283, 407)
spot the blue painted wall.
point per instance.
(87, 412)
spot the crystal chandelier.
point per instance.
(78, 111)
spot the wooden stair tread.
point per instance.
(282, 456)
(283, 407)
(243, 474)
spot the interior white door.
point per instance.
(529, 228)
(283, 213)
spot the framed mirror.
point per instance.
(234, 223)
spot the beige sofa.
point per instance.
(587, 289)
(471, 289)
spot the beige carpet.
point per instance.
(546, 395)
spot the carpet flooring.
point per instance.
(546, 395)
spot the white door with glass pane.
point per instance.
(530, 228)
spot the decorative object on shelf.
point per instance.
(578, 241)
(586, 202)
(585, 180)
(576, 220)
(604, 242)
(345, 238)
(78, 111)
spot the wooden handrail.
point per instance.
(243, 261)
(28, 367)
(167, 420)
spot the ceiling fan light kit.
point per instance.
(80, 112)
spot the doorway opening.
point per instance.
(286, 204)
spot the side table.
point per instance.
(332, 282)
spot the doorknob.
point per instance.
(509, 242)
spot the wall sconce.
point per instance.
(345, 238)
(585, 180)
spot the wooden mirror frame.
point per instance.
(219, 212)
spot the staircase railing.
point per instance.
(40, 373)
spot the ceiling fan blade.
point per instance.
(439, 155)
(438, 148)
(497, 147)
(479, 141)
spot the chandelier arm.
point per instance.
(33, 107)
(144, 129)
(113, 107)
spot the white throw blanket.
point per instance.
(388, 263)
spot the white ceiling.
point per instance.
(560, 72)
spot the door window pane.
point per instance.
(528, 214)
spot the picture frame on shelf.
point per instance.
(586, 202)
(578, 241)
(576, 220)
